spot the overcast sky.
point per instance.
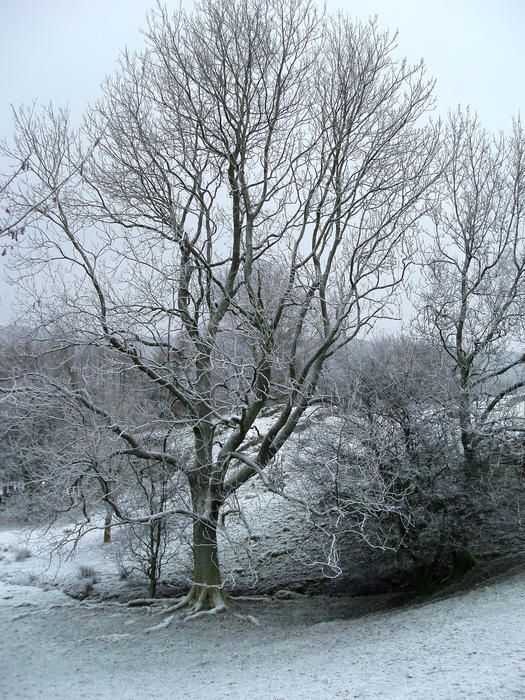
(60, 51)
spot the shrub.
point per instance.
(87, 572)
(22, 553)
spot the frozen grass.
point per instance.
(51, 646)
(467, 646)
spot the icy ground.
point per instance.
(52, 646)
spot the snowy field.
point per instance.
(52, 646)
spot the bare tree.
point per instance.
(248, 209)
(17, 211)
(148, 544)
(474, 291)
(9, 230)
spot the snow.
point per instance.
(47, 566)
(52, 646)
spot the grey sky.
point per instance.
(60, 51)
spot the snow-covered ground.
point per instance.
(52, 646)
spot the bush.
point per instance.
(22, 553)
(386, 465)
(87, 572)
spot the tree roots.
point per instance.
(201, 600)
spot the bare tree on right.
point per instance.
(473, 297)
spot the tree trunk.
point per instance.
(155, 533)
(472, 466)
(107, 528)
(206, 592)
